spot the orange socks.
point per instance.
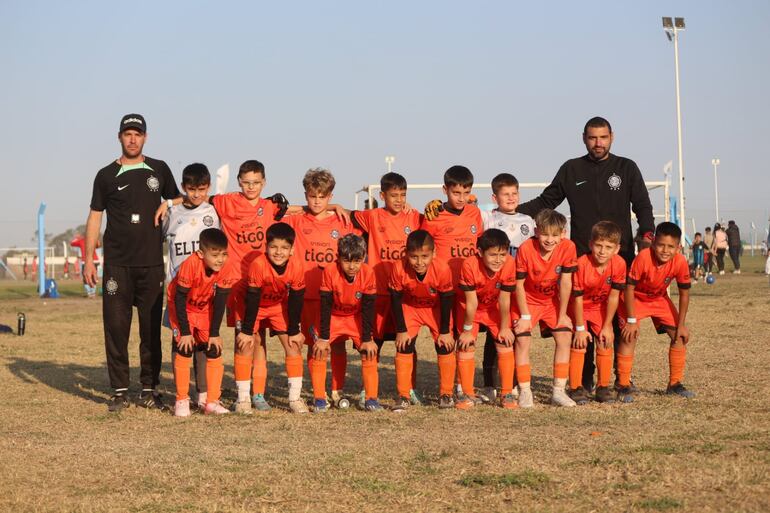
(603, 366)
(505, 365)
(404, 373)
(447, 366)
(467, 369)
(317, 377)
(294, 366)
(524, 373)
(182, 376)
(339, 367)
(215, 369)
(625, 365)
(259, 376)
(576, 359)
(561, 370)
(242, 367)
(370, 377)
(676, 361)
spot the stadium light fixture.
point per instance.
(672, 28)
(389, 160)
(715, 163)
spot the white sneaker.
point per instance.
(182, 408)
(215, 408)
(560, 398)
(243, 407)
(298, 406)
(525, 398)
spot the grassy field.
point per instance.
(62, 451)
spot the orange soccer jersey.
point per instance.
(455, 236)
(346, 313)
(421, 296)
(541, 279)
(594, 287)
(202, 284)
(273, 311)
(475, 276)
(244, 224)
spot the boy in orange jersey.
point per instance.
(544, 267)
(422, 293)
(196, 298)
(348, 291)
(318, 231)
(596, 286)
(646, 295)
(387, 229)
(483, 278)
(272, 298)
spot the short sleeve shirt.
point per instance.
(131, 194)
(420, 293)
(475, 276)
(518, 227)
(455, 236)
(651, 279)
(182, 229)
(201, 283)
(275, 287)
(541, 277)
(595, 286)
(348, 295)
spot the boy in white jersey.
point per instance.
(181, 228)
(518, 228)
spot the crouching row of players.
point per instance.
(571, 299)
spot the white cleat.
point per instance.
(560, 398)
(298, 406)
(525, 398)
(182, 408)
(215, 408)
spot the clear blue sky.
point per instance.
(497, 86)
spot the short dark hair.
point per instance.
(458, 175)
(493, 238)
(392, 181)
(251, 166)
(668, 229)
(597, 122)
(351, 247)
(698, 234)
(280, 231)
(196, 175)
(606, 230)
(708, 228)
(503, 180)
(419, 239)
(213, 238)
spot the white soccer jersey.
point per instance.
(182, 228)
(518, 227)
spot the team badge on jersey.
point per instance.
(407, 230)
(260, 211)
(667, 280)
(111, 286)
(153, 183)
(432, 290)
(614, 182)
(609, 280)
(335, 234)
(208, 221)
(498, 285)
(359, 295)
(473, 228)
(558, 269)
(524, 229)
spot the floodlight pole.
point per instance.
(673, 31)
(389, 160)
(715, 163)
(41, 250)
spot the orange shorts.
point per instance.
(383, 318)
(199, 327)
(345, 327)
(661, 310)
(275, 316)
(593, 319)
(547, 315)
(415, 318)
(488, 317)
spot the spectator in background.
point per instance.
(25, 268)
(734, 245)
(720, 247)
(708, 240)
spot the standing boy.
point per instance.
(646, 295)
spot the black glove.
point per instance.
(283, 205)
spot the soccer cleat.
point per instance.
(118, 402)
(151, 399)
(560, 398)
(464, 402)
(631, 387)
(509, 402)
(298, 406)
(243, 407)
(525, 398)
(215, 408)
(259, 403)
(680, 390)
(320, 406)
(402, 404)
(721, 273)
(445, 402)
(362, 400)
(625, 395)
(604, 395)
(373, 405)
(487, 394)
(579, 395)
(182, 408)
(414, 398)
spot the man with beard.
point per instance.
(130, 189)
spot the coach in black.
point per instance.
(130, 190)
(599, 186)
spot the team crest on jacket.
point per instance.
(474, 229)
(111, 286)
(208, 221)
(524, 229)
(614, 182)
(335, 234)
(153, 183)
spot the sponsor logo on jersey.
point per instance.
(524, 229)
(208, 220)
(381, 229)
(307, 231)
(111, 286)
(153, 183)
(614, 182)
